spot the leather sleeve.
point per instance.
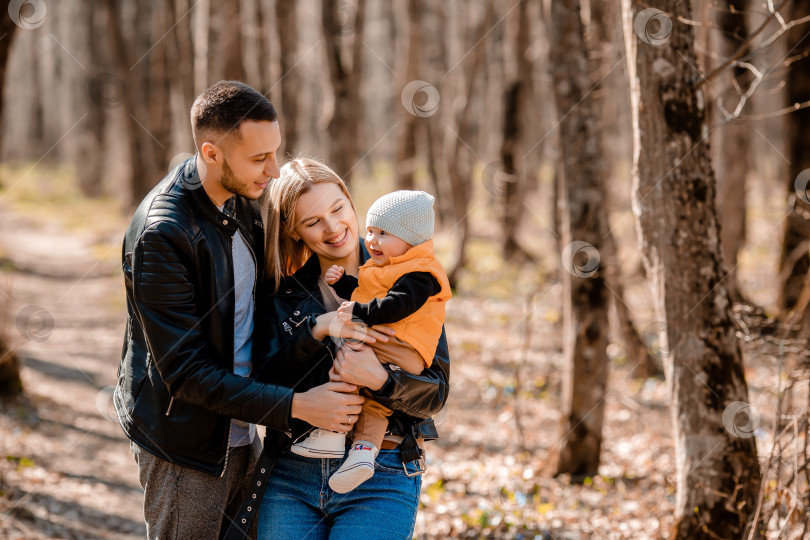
(165, 302)
(423, 395)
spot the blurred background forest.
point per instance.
(621, 207)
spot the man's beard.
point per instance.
(230, 182)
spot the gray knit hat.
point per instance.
(405, 214)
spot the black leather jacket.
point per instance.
(288, 318)
(176, 389)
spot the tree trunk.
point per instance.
(459, 161)
(287, 27)
(345, 78)
(584, 223)
(10, 382)
(436, 63)
(674, 200)
(515, 106)
(794, 261)
(265, 45)
(88, 158)
(225, 57)
(731, 141)
(146, 169)
(157, 99)
(638, 354)
(406, 152)
(601, 41)
(202, 30)
(7, 32)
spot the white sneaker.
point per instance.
(321, 443)
(357, 468)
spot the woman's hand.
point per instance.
(331, 324)
(328, 406)
(357, 364)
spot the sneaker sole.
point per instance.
(350, 478)
(309, 452)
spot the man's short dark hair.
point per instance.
(221, 108)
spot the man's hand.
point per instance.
(328, 406)
(332, 275)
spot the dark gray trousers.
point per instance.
(181, 503)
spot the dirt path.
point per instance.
(67, 471)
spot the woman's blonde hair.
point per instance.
(283, 255)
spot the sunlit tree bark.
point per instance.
(674, 200)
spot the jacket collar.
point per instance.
(306, 277)
(191, 183)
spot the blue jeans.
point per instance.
(299, 504)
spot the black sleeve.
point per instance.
(421, 395)
(345, 286)
(284, 349)
(164, 299)
(405, 297)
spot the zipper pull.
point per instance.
(169, 408)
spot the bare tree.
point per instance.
(600, 39)
(89, 140)
(145, 94)
(181, 87)
(457, 149)
(434, 46)
(227, 57)
(406, 152)
(345, 75)
(287, 29)
(674, 201)
(794, 262)
(10, 382)
(584, 224)
(516, 102)
(202, 30)
(732, 141)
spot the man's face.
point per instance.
(249, 162)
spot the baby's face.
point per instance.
(382, 245)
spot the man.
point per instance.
(192, 258)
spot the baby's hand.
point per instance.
(333, 274)
(345, 310)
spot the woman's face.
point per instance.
(327, 223)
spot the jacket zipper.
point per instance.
(255, 264)
(227, 449)
(233, 287)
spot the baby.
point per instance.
(403, 286)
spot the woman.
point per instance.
(311, 224)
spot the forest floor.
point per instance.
(68, 472)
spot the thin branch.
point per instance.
(741, 49)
